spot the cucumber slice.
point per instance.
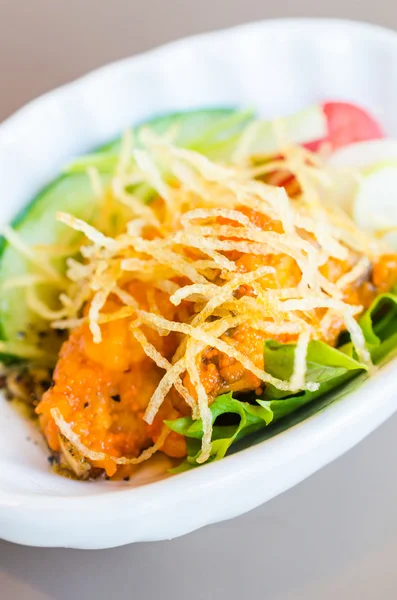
(37, 225)
(364, 155)
(213, 130)
(368, 200)
(375, 207)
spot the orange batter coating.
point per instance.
(103, 390)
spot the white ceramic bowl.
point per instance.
(278, 67)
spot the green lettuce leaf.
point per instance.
(327, 366)
(324, 363)
(249, 418)
(331, 368)
(379, 322)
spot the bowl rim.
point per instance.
(306, 436)
(371, 30)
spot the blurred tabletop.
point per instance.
(334, 536)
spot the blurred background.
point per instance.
(45, 43)
(332, 537)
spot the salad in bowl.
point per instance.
(194, 282)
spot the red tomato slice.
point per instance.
(347, 123)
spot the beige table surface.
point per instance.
(333, 537)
